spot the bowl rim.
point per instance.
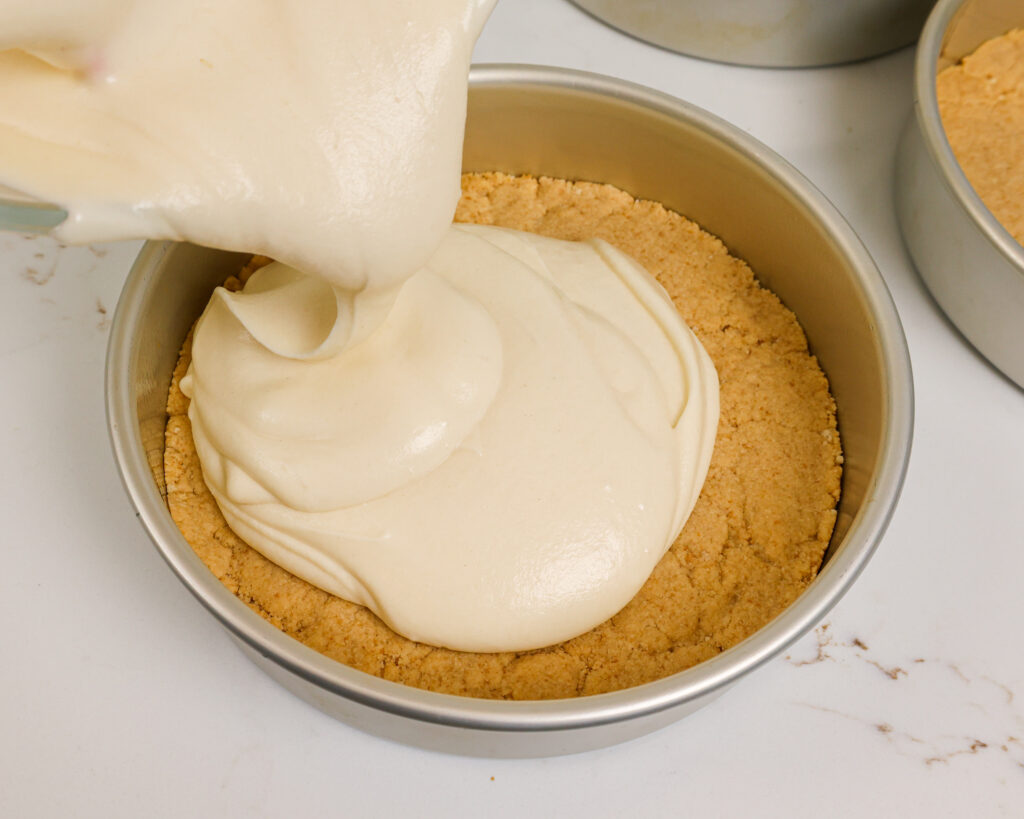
(691, 685)
(926, 110)
(28, 216)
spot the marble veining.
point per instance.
(969, 713)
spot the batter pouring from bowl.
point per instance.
(393, 392)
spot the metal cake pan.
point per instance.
(971, 264)
(770, 33)
(563, 123)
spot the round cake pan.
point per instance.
(973, 267)
(771, 33)
(580, 126)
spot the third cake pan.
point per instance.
(971, 264)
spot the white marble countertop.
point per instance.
(119, 696)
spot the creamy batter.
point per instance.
(498, 464)
(325, 133)
(487, 438)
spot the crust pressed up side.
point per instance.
(754, 541)
(981, 101)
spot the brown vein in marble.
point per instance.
(826, 641)
(966, 745)
(38, 273)
(104, 321)
(943, 748)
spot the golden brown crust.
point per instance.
(752, 544)
(981, 101)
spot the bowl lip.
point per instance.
(689, 686)
(929, 120)
(29, 216)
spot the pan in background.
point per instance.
(973, 267)
(770, 33)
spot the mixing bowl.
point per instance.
(973, 267)
(568, 124)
